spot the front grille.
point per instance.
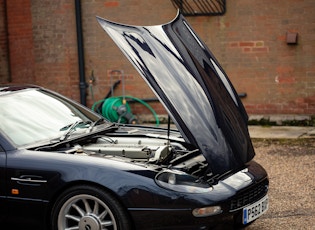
(249, 196)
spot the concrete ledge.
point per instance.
(281, 132)
(282, 119)
(254, 119)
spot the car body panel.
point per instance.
(33, 176)
(3, 207)
(188, 80)
(135, 188)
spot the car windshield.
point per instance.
(32, 116)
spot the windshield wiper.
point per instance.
(95, 123)
(71, 128)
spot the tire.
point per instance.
(88, 208)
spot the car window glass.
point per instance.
(31, 116)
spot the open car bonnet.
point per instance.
(192, 86)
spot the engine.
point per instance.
(154, 150)
(140, 149)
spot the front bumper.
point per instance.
(232, 194)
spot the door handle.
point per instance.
(29, 179)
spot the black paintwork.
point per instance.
(132, 183)
(193, 87)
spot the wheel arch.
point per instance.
(71, 184)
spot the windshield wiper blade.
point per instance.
(95, 123)
(70, 128)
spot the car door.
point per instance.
(3, 206)
(30, 183)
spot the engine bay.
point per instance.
(145, 146)
(140, 149)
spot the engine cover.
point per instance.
(147, 149)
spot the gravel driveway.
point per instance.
(291, 168)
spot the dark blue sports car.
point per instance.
(63, 166)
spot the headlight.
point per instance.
(181, 182)
(207, 211)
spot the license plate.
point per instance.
(255, 210)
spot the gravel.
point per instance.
(291, 168)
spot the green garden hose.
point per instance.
(112, 104)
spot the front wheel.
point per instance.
(88, 208)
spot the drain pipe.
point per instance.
(83, 84)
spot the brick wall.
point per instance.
(4, 61)
(249, 40)
(55, 46)
(20, 36)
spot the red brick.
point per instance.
(234, 44)
(247, 49)
(247, 44)
(260, 49)
(111, 4)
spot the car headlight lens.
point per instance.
(207, 211)
(181, 182)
